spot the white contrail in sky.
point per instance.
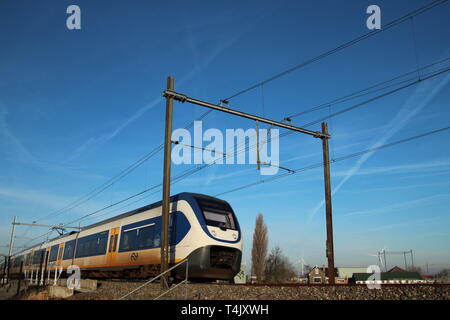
(20, 151)
(424, 93)
(108, 136)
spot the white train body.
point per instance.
(203, 230)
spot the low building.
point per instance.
(347, 272)
(319, 275)
(339, 280)
(387, 278)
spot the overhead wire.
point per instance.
(365, 91)
(342, 46)
(345, 157)
(428, 76)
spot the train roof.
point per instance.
(179, 196)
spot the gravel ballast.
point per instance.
(115, 290)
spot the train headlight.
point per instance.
(213, 233)
(234, 236)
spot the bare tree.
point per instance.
(307, 269)
(443, 275)
(259, 250)
(278, 268)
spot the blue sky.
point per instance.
(77, 107)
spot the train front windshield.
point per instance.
(217, 213)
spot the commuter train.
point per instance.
(202, 229)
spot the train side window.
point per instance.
(39, 256)
(69, 250)
(157, 240)
(94, 247)
(53, 253)
(137, 236)
(80, 249)
(102, 242)
(129, 240)
(90, 247)
(126, 242)
(145, 238)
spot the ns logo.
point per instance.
(134, 256)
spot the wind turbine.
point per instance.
(303, 263)
(380, 255)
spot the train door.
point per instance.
(45, 267)
(58, 263)
(112, 248)
(47, 258)
(60, 255)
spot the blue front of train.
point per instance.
(217, 243)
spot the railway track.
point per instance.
(289, 284)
